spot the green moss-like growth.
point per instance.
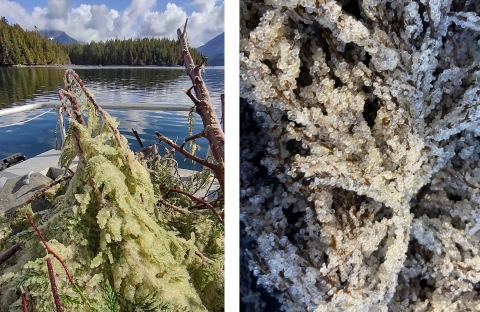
(122, 255)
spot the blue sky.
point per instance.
(88, 20)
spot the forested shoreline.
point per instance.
(145, 51)
(20, 47)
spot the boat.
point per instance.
(16, 169)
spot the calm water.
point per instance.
(151, 85)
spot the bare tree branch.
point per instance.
(212, 129)
(195, 199)
(205, 163)
(177, 209)
(10, 252)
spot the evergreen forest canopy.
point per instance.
(145, 51)
(18, 46)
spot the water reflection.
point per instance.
(109, 85)
(20, 84)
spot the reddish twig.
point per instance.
(197, 200)
(177, 209)
(70, 76)
(10, 252)
(44, 189)
(54, 285)
(211, 202)
(164, 139)
(50, 250)
(205, 259)
(24, 301)
(75, 112)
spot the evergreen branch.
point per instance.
(111, 297)
(77, 289)
(145, 304)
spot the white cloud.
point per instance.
(156, 24)
(202, 26)
(57, 8)
(205, 5)
(15, 13)
(139, 19)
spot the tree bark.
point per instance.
(212, 129)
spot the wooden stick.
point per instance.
(137, 137)
(10, 252)
(192, 137)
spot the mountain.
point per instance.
(214, 50)
(58, 36)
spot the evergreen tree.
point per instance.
(146, 51)
(18, 46)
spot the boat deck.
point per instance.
(44, 167)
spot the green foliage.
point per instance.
(122, 255)
(18, 46)
(140, 52)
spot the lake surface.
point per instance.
(136, 85)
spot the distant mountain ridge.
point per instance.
(58, 36)
(214, 50)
